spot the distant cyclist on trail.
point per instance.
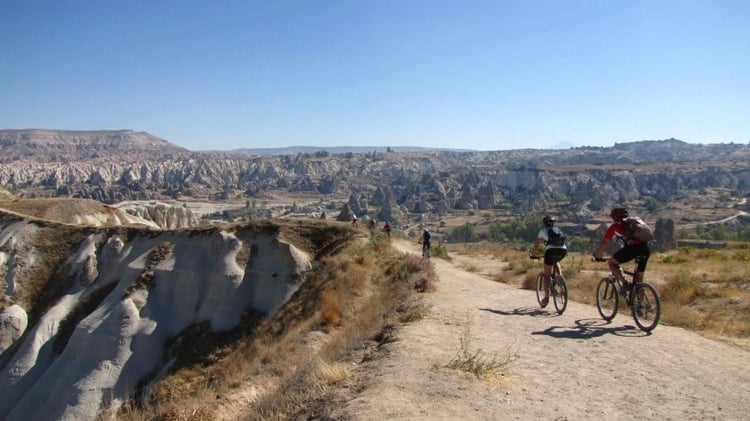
(387, 229)
(425, 241)
(555, 250)
(631, 249)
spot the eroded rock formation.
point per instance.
(114, 298)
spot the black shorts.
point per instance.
(629, 253)
(552, 255)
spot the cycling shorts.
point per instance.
(554, 254)
(629, 253)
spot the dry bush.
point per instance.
(380, 242)
(572, 265)
(682, 288)
(470, 268)
(476, 361)
(311, 380)
(369, 309)
(683, 316)
(520, 264)
(330, 308)
(529, 280)
(582, 288)
(364, 255)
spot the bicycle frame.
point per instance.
(557, 287)
(426, 251)
(556, 268)
(642, 299)
(631, 274)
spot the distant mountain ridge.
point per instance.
(293, 150)
(578, 182)
(67, 145)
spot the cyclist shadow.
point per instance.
(591, 328)
(522, 311)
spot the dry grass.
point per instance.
(707, 291)
(6, 195)
(63, 210)
(476, 361)
(349, 305)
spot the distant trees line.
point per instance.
(513, 231)
(718, 233)
(525, 231)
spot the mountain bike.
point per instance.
(426, 250)
(641, 297)
(558, 288)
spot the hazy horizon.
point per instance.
(559, 146)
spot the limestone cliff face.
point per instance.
(114, 298)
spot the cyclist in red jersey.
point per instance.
(631, 249)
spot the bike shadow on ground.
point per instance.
(583, 329)
(522, 311)
(591, 328)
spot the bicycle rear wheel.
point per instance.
(559, 290)
(646, 307)
(607, 298)
(540, 289)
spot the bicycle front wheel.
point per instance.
(646, 307)
(559, 291)
(540, 288)
(607, 298)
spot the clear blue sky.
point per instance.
(484, 75)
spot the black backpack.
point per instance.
(556, 237)
(637, 229)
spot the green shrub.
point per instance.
(441, 252)
(674, 259)
(465, 233)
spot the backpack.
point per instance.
(637, 229)
(556, 237)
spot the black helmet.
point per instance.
(619, 212)
(548, 221)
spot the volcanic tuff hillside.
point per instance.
(90, 314)
(91, 212)
(576, 183)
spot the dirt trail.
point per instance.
(569, 367)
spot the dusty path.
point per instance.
(569, 367)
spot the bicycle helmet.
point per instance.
(619, 212)
(548, 221)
